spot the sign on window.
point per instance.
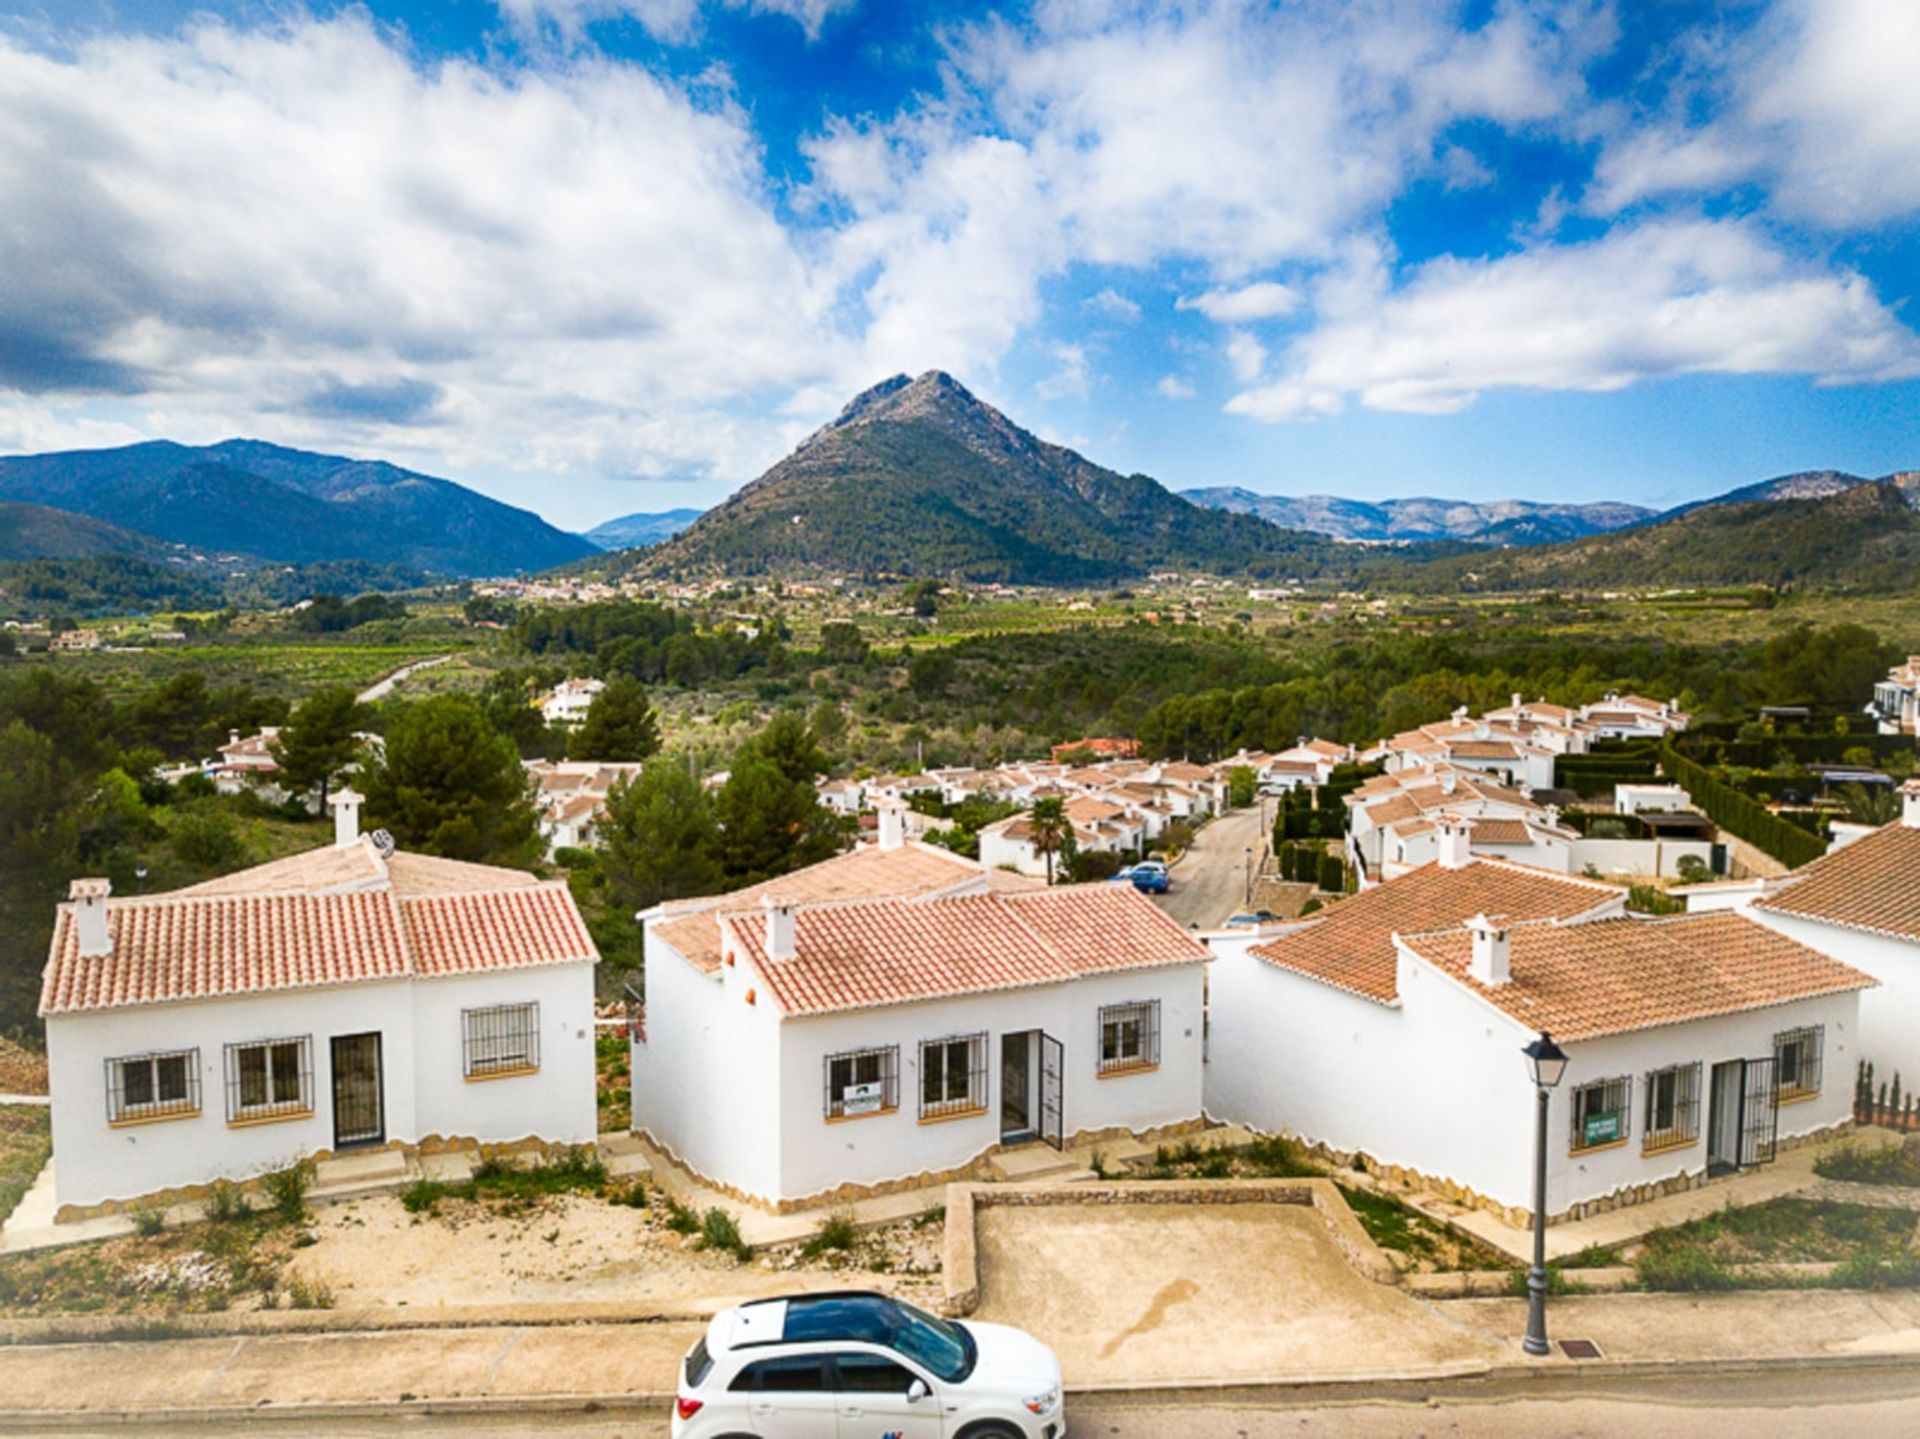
(1601, 1129)
(862, 1098)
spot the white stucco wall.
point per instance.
(998, 849)
(1639, 856)
(1890, 1013)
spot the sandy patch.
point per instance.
(22, 1071)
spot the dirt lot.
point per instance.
(22, 1071)
(1156, 1292)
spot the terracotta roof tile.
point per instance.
(1872, 884)
(507, 929)
(1350, 945)
(1612, 976)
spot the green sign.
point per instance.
(1601, 1128)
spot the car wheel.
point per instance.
(992, 1429)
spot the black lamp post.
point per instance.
(1546, 1062)
(1249, 899)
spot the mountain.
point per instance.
(253, 498)
(631, 531)
(918, 477)
(1864, 536)
(1800, 485)
(39, 532)
(1503, 522)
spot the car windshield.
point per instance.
(945, 1350)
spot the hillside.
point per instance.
(918, 477)
(1863, 537)
(293, 506)
(629, 531)
(1508, 522)
(38, 532)
(1800, 485)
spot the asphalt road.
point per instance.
(1785, 1403)
(1210, 879)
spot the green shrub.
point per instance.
(1860, 1164)
(1689, 1267)
(149, 1221)
(1869, 1268)
(310, 1294)
(422, 1196)
(836, 1232)
(718, 1230)
(287, 1190)
(680, 1219)
(1280, 1157)
(227, 1201)
(634, 1196)
(1217, 1166)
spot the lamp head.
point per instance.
(1546, 1060)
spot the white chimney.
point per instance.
(233, 738)
(1517, 701)
(780, 940)
(893, 823)
(1553, 816)
(89, 898)
(1459, 713)
(1454, 852)
(1447, 780)
(1491, 964)
(1910, 804)
(346, 817)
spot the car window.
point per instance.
(871, 1374)
(797, 1374)
(699, 1364)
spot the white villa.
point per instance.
(897, 1013)
(352, 997)
(567, 703)
(570, 796)
(1896, 699)
(1391, 1026)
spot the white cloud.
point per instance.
(1112, 305)
(1262, 300)
(1172, 387)
(1073, 380)
(1246, 355)
(1658, 300)
(672, 20)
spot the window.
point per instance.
(801, 1374)
(863, 1081)
(953, 1075)
(1796, 1061)
(153, 1086)
(504, 1039)
(1129, 1036)
(872, 1374)
(1600, 1112)
(699, 1363)
(270, 1078)
(1673, 1107)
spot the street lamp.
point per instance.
(1249, 899)
(140, 874)
(1546, 1062)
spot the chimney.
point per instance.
(1517, 701)
(1453, 842)
(1491, 964)
(346, 817)
(893, 823)
(233, 738)
(1447, 780)
(780, 940)
(1910, 804)
(1459, 713)
(1553, 816)
(89, 898)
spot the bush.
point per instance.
(1858, 1164)
(422, 1196)
(310, 1294)
(1878, 1269)
(836, 1232)
(287, 1189)
(719, 1231)
(227, 1201)
(206, 839)
(1280, 1157)
(149, 1222)
(634, 1196)
(1687, 1267)
(680, 1219)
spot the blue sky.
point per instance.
(597, 256)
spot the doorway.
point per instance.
(1725, 1091)
(359, 1106)
(1742, 1115)
(1016, 1086)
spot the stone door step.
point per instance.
(1033, 1162)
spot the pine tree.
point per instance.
(770, 824)
(449, 784)
(318, 741)
(620, 724)
(658, 839)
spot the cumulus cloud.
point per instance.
(1110, 304)
(672, 20)
(1246, 356)
(1172, 387)
(1649, 302)
(1263, 300)
(1073, 380)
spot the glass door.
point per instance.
(1016, 1086)
(359, 1108)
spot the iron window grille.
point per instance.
(953, 1075)
(1672, 1107)
(268, 1078)
(153, 1086)
(862, 1081)
(500, 1039)
(1600, 1112)
(1129, 1036)
(1797, 1061)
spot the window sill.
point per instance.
(249, 1121)
(517, 1072)
(1119, 1071)
(130, 1121)
(1667, 1146)
(973, 1112)
(1584, 1149)
(869, 1114)
(1796, 1096)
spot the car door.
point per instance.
(873, 1393)
(790, 1397)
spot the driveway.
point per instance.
(1210, 879)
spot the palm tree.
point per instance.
(1869, 804)
(1050, 829)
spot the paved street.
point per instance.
(1210, 881)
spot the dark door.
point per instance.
(359, 1107)
(1052, 1081)
(1760, 1114)
(1016, 1085)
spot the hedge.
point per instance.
(1737, 814)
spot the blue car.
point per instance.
(1151, 878)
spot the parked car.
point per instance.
(1151, 877)
(855, 1363)
(1251, 919)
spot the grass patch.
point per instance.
(1427, 1246)
(578, 1171)
(1859, 1164)
(718, 1230)
(613, 1082)
(836, 1233)
(1874, 1247)
(26, 1139)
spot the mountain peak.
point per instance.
(903, 397)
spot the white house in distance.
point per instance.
(1896, 699)
(895, 1014)
(351, 997)
(567, 703)
(1860, 904)
(571, 795)
(1392, 1025)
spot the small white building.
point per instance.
(570, 796)
(895, 1014)
(1896, 699)
(1392, 1026)
(352, 997)
(567, 703)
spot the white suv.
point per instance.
(859, 1365)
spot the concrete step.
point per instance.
(1033, 1162)
(350, 1175)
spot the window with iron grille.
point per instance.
(1796, 1061)
(501, 1039)
(953, 1075)
(270, 1078)
(862, 1081)
(1129, 1036)
(153, 1086)
(1673, 1107)
(1600, 1112)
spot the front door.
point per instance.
(359, 1108)
(1724, 1093)
(1053, 1066)
(1759, 1113)
(1016, 1086)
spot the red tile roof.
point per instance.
(1350, 944)
(863, 955)
(508, 929)
(1613, 976)
(1871, 884)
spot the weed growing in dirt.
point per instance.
(1276, 1156)
(1858, 1164)
(836, 1232)
(634, 1196)
(227, 1202)
(287, 1190)
(309, 1294)
(719, 1231)
(680, 1219)
(149, 1222)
